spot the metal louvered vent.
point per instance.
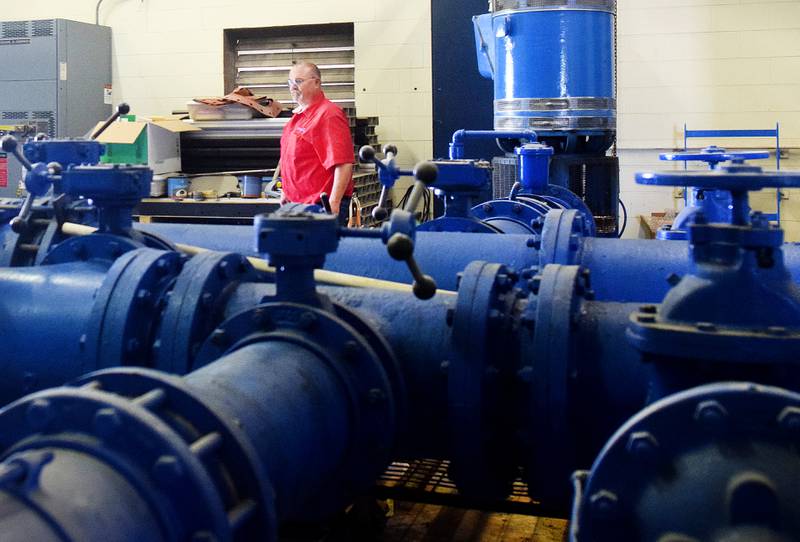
(504, 175)
(260, 59)
(43, 28)
(46, 122)
(15, 29)
(15, 115)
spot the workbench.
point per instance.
(209, 211)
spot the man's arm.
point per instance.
(341, 178)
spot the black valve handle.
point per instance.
(380, 213)
(367, 154)
(325, 200)
(425, 174)
(122, 109)
(401, 248)
(19, 224)
(10, 145)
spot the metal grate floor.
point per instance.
(426, 480)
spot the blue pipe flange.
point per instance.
(559, 197)
(347, 353)
(562, 234)
(718, 462)
(479, 403)
(125, 314)
(181, 471)
(547, 344)
(389, 362)
(196, 306)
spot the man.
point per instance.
(316, 147)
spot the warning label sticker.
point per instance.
(3, 171)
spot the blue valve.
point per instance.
(713, 156)
(388, 173)
(738, 179)
(66, 152)
(739, 287)
(714, 205)
(51, 157)
(37, 181)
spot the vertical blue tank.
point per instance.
(552, 62)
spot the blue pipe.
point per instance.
(622, 270)
(296, 412)
(461, 136)
(93, 316)
(54, 301)
(425, 433)
(558, 354)
(63, 482)
(367, 257)
(282, 408)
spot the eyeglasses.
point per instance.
(299, 81)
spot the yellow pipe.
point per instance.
(321, 275)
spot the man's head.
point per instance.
(305, 83)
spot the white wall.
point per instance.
(166, 52)
(710, 63)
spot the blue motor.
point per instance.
(553, 66)
(552, 63)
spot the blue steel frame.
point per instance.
(717, 134)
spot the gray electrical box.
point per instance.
(55, 78)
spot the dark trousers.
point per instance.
(344, 211)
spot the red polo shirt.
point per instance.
(314, 142)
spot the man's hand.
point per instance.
(335, 205)
(284, 200)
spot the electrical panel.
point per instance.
(55, 79)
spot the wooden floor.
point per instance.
(417, 522)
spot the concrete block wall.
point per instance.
(166, 52)
(709, 63)
(712, 64)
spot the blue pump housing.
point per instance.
(552, 64)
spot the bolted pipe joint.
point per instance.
(744, 490)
